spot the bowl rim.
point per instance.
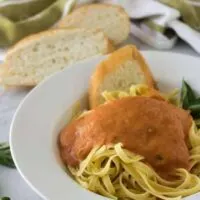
(49, 79)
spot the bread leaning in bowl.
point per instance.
(122, 68)
(111, 19)
(40, 55)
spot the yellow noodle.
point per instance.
(139, 90)
(194, 139)
(117, 173)
(132, 178)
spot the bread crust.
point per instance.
(4, 69)
(83, 10)
(112, 63)
(37, 36)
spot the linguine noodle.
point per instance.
(117, 173)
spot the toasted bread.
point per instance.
(119, 71)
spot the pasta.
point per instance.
(140, 90)
(134, 90)
(194, 146)
(117, 173)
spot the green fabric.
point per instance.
(18, 20)
(154, 26)
(190, 13)
(158, 28)
(16, 11)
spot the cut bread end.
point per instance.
(111, 19)
(119, 71)
(40, 55)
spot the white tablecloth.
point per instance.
(11, 184)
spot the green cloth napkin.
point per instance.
(189, 9)
(19, 19)
(159, 23)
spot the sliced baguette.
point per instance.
(119, 71)
(111, 19)
(40, 55)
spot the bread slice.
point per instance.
(111, 19)
(40, 55)
(119, 71)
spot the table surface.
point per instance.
(11, 184)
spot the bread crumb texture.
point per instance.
(111, 19)
(40, 55)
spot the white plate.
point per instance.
(39, 118)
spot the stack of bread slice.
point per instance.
(88, 31)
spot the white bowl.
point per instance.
(42, 114)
